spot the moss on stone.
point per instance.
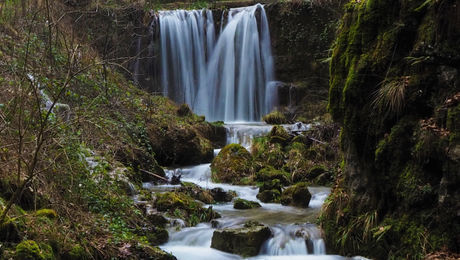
(181, 205)
(297, 195)
(275, 118)
(245, 204)
(269, 173)
(49, 213)
(232, 164)
(28, 250)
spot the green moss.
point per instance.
(197, 192)
(77, 252)
(28, 250)
(232, 164)
(453, 119)
(183, 206)
(296, 195)
(268, 196)
(269, 173)
(267, 153)
(245, 204)
(49, 213)
(9, 231)
(157, 236)
(275, 118)
(279, 135)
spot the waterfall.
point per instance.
(226, 76)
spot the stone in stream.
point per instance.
(245, 241)
(220, 195)
(232, 165)
(296, 195)
(245, 204)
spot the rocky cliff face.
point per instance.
(394, 87)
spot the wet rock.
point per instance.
(231, 165)
(245, 241)
(269, 173)
(245, 204)
(181, 145)
(268, 196)
(181, 205)
(297, 195)
(220, 195)
(197, 192)
(157, 219)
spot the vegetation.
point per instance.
(75, 135)
(393, 199)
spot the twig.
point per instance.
(155, 175)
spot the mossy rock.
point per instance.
(77, 252)
(267, 154)
(197, 192)
(274, 184)
(157, 220)
(157, 236)
(245, 204)
(297, 195)
(184, 110)
(279, 135)
(300, 139)
(269, 173)
(49, 213)
(269, 196)
(220, 195)
(144, 251)
(245, 241)
(9, 232)
(179, 145)
(232, 164)
(181, 205)
(275, 118)
(316, 171)
(28, 250)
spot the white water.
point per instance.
(294, 237)
(228, 78)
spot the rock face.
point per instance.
(394, 88)
(297, 195)
(232, 164)
(244, 241)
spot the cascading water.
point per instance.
(226, 79)
(301, 240)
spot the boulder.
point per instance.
(245, 204)
(269, 173)
(297, 195)
(268, 196)
(197, 192)
(275, 118)
(245, 241)
(181, 205)
(270, 191)
(231, 165)
(220, 195)
(279, 135)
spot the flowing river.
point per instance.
(294, 234)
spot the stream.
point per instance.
(290, 225)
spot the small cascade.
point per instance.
(294, 240)
(228, 77)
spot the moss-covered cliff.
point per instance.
(394, 87)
